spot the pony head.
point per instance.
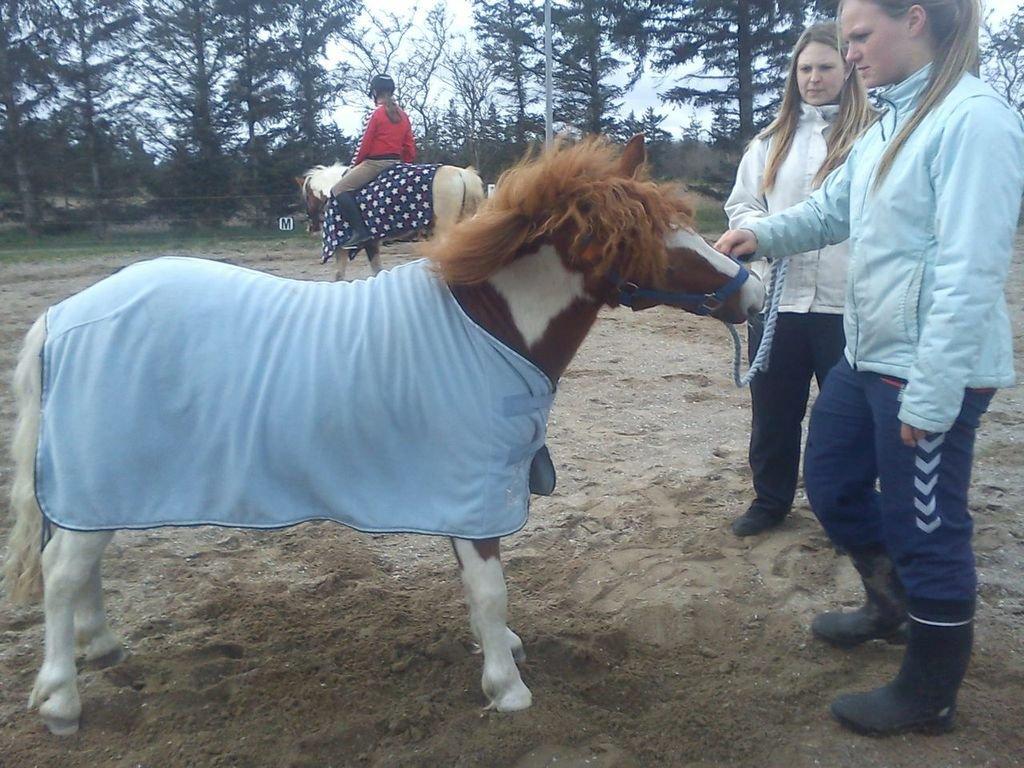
(315, 189)
(607, 220)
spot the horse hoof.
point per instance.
(108, 659)
(60, 726)
(517, 699)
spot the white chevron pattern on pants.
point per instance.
(925, 480)
(930, 445)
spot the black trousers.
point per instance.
(805, 345)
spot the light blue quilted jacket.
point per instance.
(929, 249)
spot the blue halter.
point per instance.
(697, 303)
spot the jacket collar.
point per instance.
(823, 116)
(903, 96)
(826, 112)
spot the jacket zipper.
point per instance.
(864, 199)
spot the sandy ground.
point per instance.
(654, 637)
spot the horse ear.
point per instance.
(300, 180)
(633, 156)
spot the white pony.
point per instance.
(458, 192)
(521, 283)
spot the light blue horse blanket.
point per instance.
(182, 391)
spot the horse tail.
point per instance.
(473, 194)
(23, 574)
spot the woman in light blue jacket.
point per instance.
(929, 198)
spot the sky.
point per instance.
(643, 95)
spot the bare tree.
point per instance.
(422, 70)
(372, 46)
(472, 80)
(1003, 57)
(411, 53)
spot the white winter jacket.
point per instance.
(815, 280)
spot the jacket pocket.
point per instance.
(911, 306)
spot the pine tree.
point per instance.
(257, 80)
(656, 138)
(186, 70)
(586, 59)
(95, 47)
(309, 26)
(508, 32)
(27, 85)
(650, 126)
(741, 48)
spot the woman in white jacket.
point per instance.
(824, 108)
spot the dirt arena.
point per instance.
(654, 637)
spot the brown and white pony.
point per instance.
(566, 234)
(458, 192)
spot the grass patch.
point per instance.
(19, 246)
(711, 219)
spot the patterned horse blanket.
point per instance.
(182, 391)
(399, 200)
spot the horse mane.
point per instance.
(618, 222)
(321, 178)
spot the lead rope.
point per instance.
(764, 349)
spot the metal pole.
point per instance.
(547, 73)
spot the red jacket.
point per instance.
(383, 138)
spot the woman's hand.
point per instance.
(910, 435)
(737, 242)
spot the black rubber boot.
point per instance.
(756, 520)
(349, 209)
(922, 698)
(884, 613)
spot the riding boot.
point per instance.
(923, 696)
(349, 209)
(884, 613)
(757, 520)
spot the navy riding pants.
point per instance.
(806, 345)
(920, 513)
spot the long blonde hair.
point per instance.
(855, 113)
(954, 29)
